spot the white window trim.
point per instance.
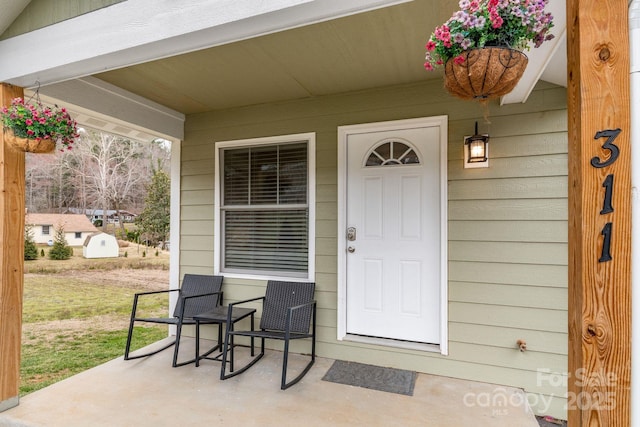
(310, 138)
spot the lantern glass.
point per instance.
(477, 151)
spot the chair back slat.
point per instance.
(281, 295)
(196, 284)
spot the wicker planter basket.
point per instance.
(29, 145)
(486, 73)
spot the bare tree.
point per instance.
(103, 171)
(38, 182)
(109, 168)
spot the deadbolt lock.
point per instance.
(351, 234)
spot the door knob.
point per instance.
(351, 249)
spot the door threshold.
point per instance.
(388, 342)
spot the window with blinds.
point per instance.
(264, 210)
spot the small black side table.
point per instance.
(219, 315)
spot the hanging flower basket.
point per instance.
(30, 145)
(36, 128)
(480, 46)
(485, 73)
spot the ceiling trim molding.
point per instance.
(103, 106)
(133, 32)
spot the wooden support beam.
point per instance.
(12, 215)
(599, 213)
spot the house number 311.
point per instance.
(607, 207)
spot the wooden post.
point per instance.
(599, 213)
(12, 212)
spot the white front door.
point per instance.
(394, 220)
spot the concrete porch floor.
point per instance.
(149, 392)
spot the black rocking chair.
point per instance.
(288, 313)
(198, 294)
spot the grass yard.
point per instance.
(76, 312)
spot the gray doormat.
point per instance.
(373, 377)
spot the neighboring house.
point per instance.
(309, 144)
(112, 215)
(76, 227)
(100, 245)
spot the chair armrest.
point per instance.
(231, 305)
(245, 301)
(134, 310)
(156, 292)
(202, 295)
(301, 305)
(298, 307)
(186, 299)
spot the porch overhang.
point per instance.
(134, 32)
(217, 54)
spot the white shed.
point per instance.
(100, 245)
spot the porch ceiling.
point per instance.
(378, 48)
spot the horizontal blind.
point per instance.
(236, 176)
(272, 240)
(265, 211)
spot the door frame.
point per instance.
(343, 134)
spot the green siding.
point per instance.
(507, 226)
(508, 295)
(41, 13)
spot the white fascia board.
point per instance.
(92, 97)
(540, 58)
(137, 31)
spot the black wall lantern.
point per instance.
(476, 150)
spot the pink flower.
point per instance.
(442, 33)
(29, 122)
(431, 45)
(428, 66)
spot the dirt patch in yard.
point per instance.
(140, 280)
(134, 279)
(49, 331)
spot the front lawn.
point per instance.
(76, 313)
